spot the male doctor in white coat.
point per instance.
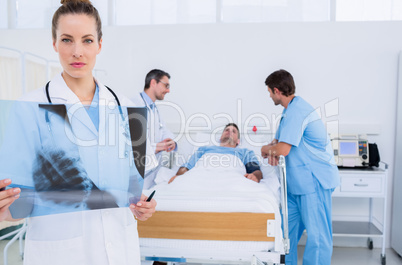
(156, 87)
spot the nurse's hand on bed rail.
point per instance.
(273, 160)
(273, 150)
(7, 197)
(267, 152)
(143, 209)
(167, 145)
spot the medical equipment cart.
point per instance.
(368, 183)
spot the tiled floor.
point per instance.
(341, 256)
(359, 256)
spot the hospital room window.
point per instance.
(3, 14)
(132, 12)
(274, 10)
(368, 10)
(30, 14)
(139, 12)
(38, 14)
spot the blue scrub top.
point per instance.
(248, 157)
(311, 156)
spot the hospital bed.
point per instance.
(209, 227)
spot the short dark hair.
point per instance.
(234, 125)
(283, 81)
(154, 74)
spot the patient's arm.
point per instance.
(181, 171)
(255, 176)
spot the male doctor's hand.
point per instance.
(7, 197)
(167, 145)
(143, 209)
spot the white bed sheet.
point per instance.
(218, 188)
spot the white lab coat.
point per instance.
(98, 237)
(157, 132)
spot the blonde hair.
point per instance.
(76, 7)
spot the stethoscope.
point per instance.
(125, 124)
(108, 88)
(156, 108)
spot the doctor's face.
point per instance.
(162, 88)
(77, 44)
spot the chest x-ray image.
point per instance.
(62, 163)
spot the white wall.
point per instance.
(214, 66)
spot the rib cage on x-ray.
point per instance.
(59, 175)
(62, 179)
(58, 172)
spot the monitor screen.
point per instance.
(348, 148)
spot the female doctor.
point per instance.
(105, 236)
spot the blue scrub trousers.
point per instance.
(313, 213)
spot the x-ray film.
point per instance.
(63, 162)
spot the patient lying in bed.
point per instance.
(219, 178)
(226, 156)
(225, 180)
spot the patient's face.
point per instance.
(230, 136)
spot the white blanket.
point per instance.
(216, 184)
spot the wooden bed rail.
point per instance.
(207, 226)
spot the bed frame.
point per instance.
(219, 226)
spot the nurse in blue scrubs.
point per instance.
(312, 174)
